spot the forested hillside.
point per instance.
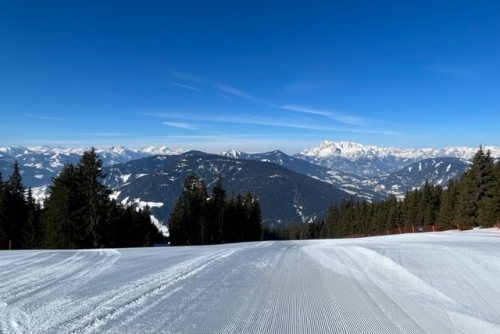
(77, 213)
(198, 219)
(473, 200)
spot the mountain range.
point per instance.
(294, 188)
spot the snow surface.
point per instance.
(415, 283)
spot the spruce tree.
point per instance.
(448, 207)
(4, 239)
(486, 191)
(33, 229)
(95, 196)
(63, 227)
(15, 211)
(216, 208)
(188, 224)
(254, 219)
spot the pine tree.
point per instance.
(448, 206)
(79, 214)
(486, 191)
(15, 212)
(4, 238)
(33, 229)
(474, 184)
(216, 208)
(63, 227)
(187, 224)
(95, 196)
(254, 219)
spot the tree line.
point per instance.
(199, 219)
(77, 213)
(472, 200)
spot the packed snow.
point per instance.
(446, 282)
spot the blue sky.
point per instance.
(249, 75)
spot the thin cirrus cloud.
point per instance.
(235, 92)
(180, 125)
(173, 83)
(249, 120)
(108, 134)
(254, 120)
(225, 91)
(187, 77)
(229, 92)
(347, 119)
(452, 71)
(45, 118)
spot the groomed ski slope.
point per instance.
(447, 282)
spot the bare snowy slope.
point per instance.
(416, 283)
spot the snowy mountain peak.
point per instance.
(232, 154)
(354, 151)
(344, 149)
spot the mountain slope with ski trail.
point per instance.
(443, 282)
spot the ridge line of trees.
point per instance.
(78, 213)
(472, 200)
(199, 219)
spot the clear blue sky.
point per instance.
(249, 75)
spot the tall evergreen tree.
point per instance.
(486, 191)
(33, 229)
(188, 224)
(254, 230)
(448, 206)
(473, 185)
(4, 238)
(64, 228)
(216, 209)
(95, 196)
(15, 212)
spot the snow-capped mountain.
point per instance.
(371, 161)
(367, 172)
(436, 171)
(40, 164)
(285, 196)
(348, 182)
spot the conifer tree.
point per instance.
(472, 185)
(33, 229)
(14, 208)
(95, 195)
(4, 239)
(63, 227)
(187, 224)
(448, 207)
(216, 209)
(486, 191)
(254, 219)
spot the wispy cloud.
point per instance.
(180, 125)
(184, 86)
(347, 119)
(46, 118)
(453, 71)
(283, 123)
(225, 91)
(187, 77)
(302, 86)
(236, 92)
(108, 134)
